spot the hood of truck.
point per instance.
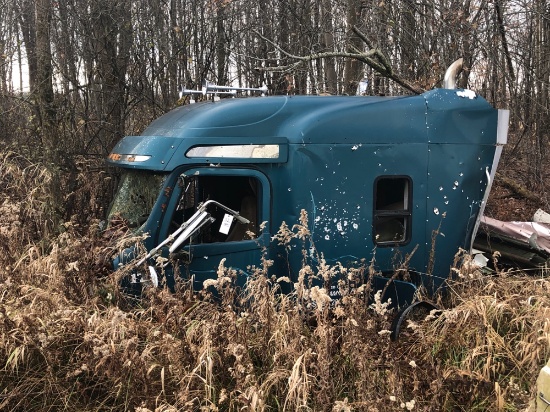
(435, 117)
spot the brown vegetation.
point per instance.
(98, 70)
(516, 194)
(70, 341)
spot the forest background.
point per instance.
(78, 75)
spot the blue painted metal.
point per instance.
(332, 150)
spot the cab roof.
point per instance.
(439, 116)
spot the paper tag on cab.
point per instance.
(226, 224)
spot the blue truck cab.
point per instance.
(394, 175)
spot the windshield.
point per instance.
(137, 192)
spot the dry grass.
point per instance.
(70, 341)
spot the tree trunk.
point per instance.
(353, 70)
(328, 44)
(113, 31)
(44, 73)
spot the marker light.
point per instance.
(116, 157)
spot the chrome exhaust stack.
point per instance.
(449, 82)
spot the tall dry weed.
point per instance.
(70, 341)
(491, 341)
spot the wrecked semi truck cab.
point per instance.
(382, 176)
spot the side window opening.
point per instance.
(392, 210)
(239, 193)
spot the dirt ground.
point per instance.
(515, 195)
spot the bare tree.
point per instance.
(97, 70)
(373, 57)
(44, 70)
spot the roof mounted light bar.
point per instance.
(210, 88)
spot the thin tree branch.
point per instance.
(502, 32)
(373, 58)
(362, 36)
